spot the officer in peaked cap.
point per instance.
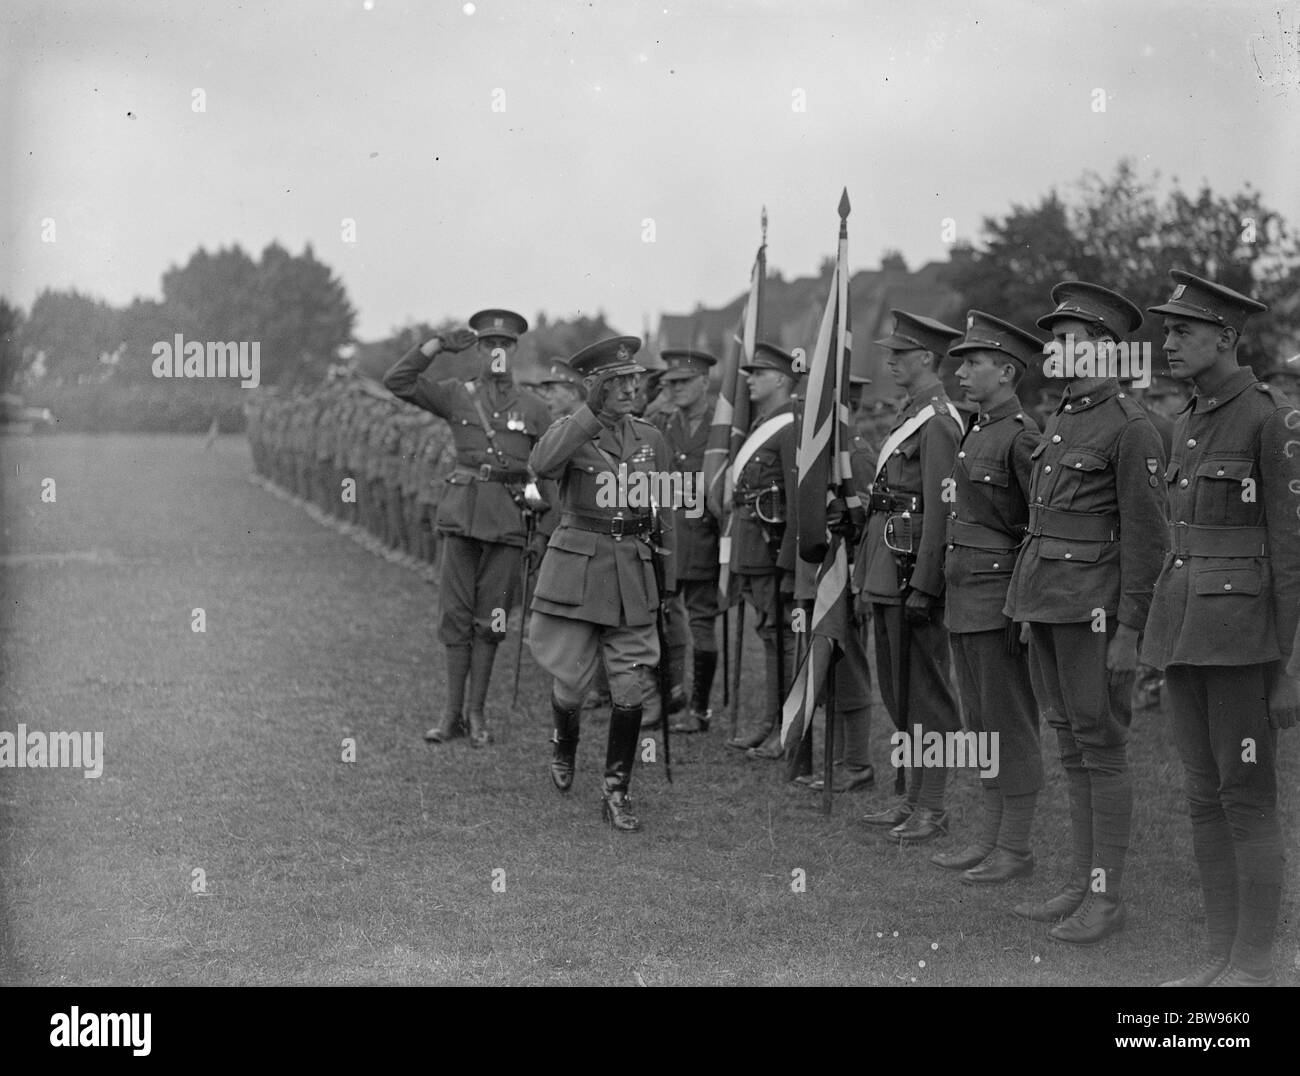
(685, 427)
(1223, 620)
(986, 524)
(899, 564)
(763, 534)
(1082, 582)
(560, 385)
(481, 516)
(596, 595)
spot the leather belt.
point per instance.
(485, 472)
(1190, 540)
(616, 526)
(895, 502)
(1075, 526)
(977, 536)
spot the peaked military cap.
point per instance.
(1205, 300)
(913, 332)
(558, 372)
(684, 363)
(612, 356)
(499, 323)
(771, 357)
(984, 332)
(1091, 302)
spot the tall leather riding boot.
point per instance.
(482, 655)
(452, 725)
(565, 738)
(697, 720)
(620, 755)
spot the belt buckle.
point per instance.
(485, 472)
(616, 527)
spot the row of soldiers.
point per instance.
(1033, 571)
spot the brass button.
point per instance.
(1047, 469)
(975, 429)
(1191, 442)
(1220, 472)
(1068, 556)
(961, 455)
(1056, 439)
(1227, 586)
(988, 478)
(1178, 563)
(1183, 483)
(996, 564)
(1069, 407)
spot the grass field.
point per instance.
(223, 754)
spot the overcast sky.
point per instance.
(607, 115)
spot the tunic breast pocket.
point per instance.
(987, 473)
(1226, 490)
(1083, 472)
(563, 576)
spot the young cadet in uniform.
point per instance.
(763, 535)
(596, 593)
(899, 566)
(686, 429)
(480, 518)
(1223, 620)
(1083, 583)
(560, 387)
(986, 524)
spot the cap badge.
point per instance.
(1178, 292)
(622, 352)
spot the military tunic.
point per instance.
(912, 478)
(985, 526)
(1223, 622)
(481, 524)
(595, 595)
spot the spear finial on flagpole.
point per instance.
(765, 226)
(844, 211)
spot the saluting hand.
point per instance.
(456, 340)
(1284, 702)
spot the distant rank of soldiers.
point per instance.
(1012, 568)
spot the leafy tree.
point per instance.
(11, 351)
(74, 331)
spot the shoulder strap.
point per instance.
(910, 427)
(759, 438)
(488, 431)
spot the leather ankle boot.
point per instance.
(1055, 908)
(565, 739)
(1098, 917)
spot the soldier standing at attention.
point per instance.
(763, 534)
(899, 566)
(596, 593)
(986, 524)
(1083, 582)
(686, 429)
(494, 426)
(1223, 620)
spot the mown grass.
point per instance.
(223, 753)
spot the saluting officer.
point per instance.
(899, 566)
(1223, 620)
(480, 517)
(596, 592)
(686, 429)
(1083, 582)
(764, 534)
(986, 524)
